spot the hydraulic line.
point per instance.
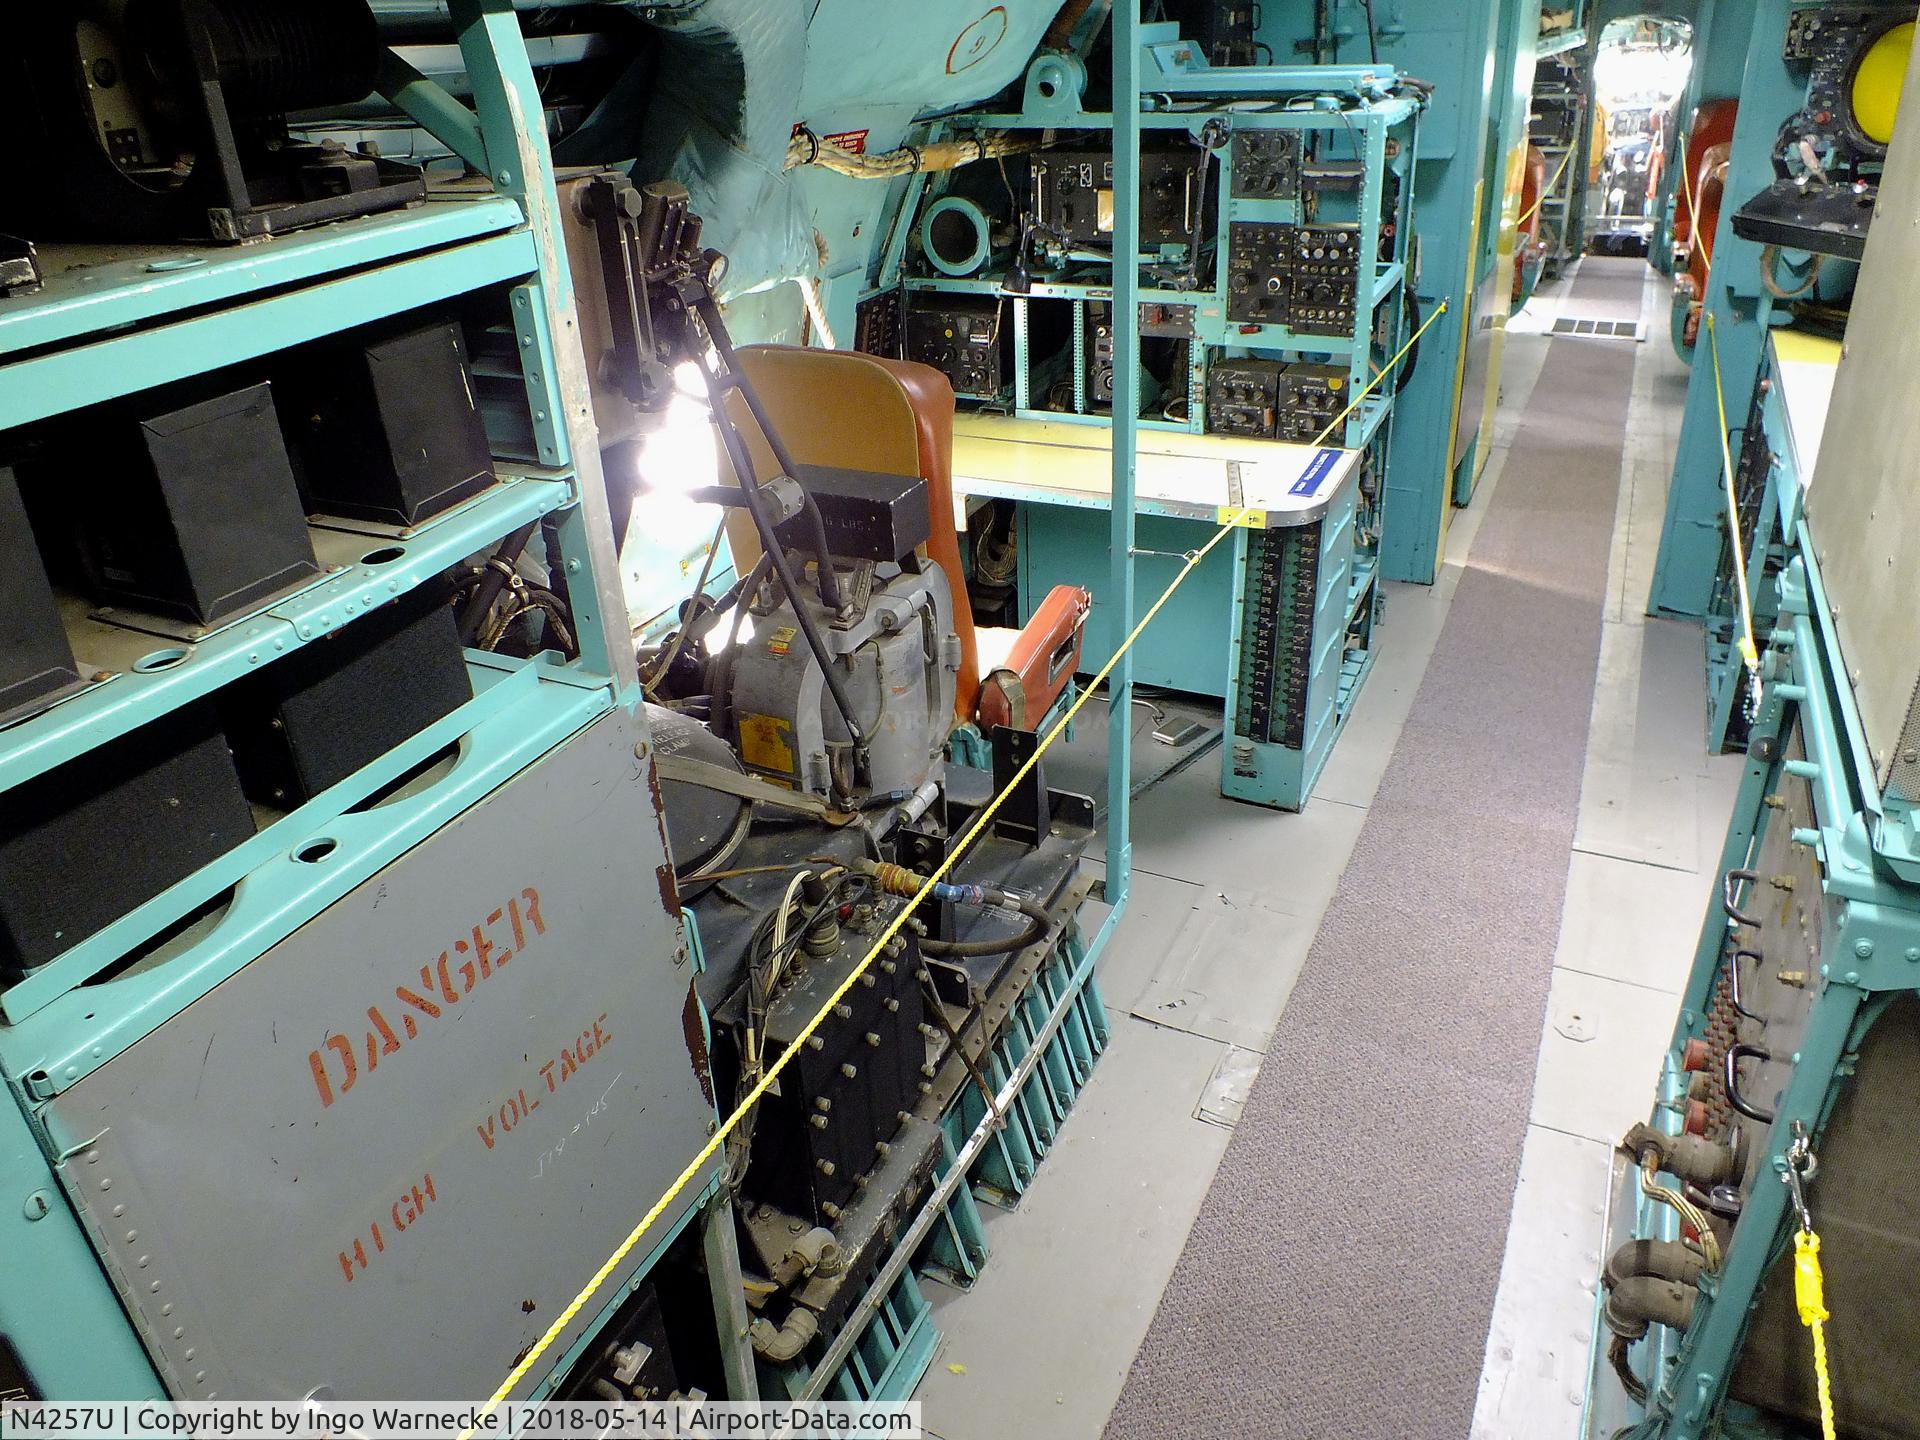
(736, 379)
(898, 880)
(699, 589)
(493, 579)
(807, 148)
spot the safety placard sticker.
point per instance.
(766, 743)
(1315, 475)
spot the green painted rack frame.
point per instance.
(1870, 938)
(132, 318)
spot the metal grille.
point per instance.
(1590, 327)
(1903, 766)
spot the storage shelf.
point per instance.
(245, 303)
(153, 673)
(1372, 414)
(1365, 568)
(520, 709)
(1105, 418)
(90, 289)
(1050, 290)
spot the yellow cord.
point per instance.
(1809, 1296)
(1233, 520)
(1527, 214)
(1749, 651)
(1686, 184)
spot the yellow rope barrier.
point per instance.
(1749, 650)
(1810, 1299)
(1545, 191)
(1235, 519)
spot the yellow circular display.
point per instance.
(1878, 81)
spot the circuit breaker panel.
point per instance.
(1302, 645)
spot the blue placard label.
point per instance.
(1311, 478)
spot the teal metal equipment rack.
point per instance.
(1738, 299)
(104, 326)
(1799, 1027)
(1800, 851)
(1352, 113)
(1477, 56)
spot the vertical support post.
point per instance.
(1126, 426)
(1022, 354)
(512, 124)
(722, 1253)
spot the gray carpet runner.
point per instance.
(1339, 1282)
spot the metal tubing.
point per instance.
(1126, 410)
(1833, 803)
(777, 557)
(723, 344)
(722, 1252)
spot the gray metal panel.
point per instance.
(516, 999)
(1864, 507)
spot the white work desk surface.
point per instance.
(1804, 367)
(1192, 477)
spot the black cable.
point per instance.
(833, 900)
(493, 579)
(939, 1013)
(723, 345)
(1373, 38)
(1412, 303)
(964, 949)
(1617, 1357)
(774, 554)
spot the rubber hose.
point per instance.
(492, 581)
(1641, 1300)
(1658, 1259)
(1036, 930)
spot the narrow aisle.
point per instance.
(1352, 1224)
(1653, 810)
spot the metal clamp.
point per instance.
(1731, 1077)
(1801, 1166)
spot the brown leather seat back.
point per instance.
(860, 412)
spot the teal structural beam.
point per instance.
(57, 1308)
(507, 97)
(1497, 242)
(1720, 32)
(1126, 409)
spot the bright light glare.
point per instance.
(1624, 73)
(682, 454)
(688, 380)
(670, 531)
